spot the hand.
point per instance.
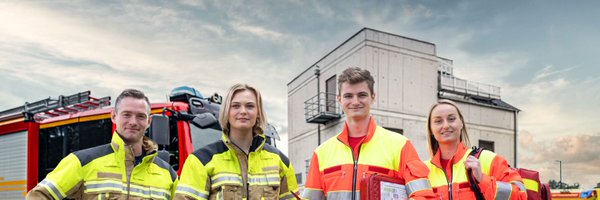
(475, 166)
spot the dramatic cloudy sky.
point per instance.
(544, 55)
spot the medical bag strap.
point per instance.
(474, 186)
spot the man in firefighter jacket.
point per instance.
(127, 168)
(362, 149)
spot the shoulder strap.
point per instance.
(474, 186)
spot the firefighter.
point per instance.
(363, 148)
(448, 141)
(241, 165)
(126, 168)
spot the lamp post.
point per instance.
(318, 74)
(560, 174)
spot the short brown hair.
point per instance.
(434, 145)
(354, 75)
(261, 118)
(133, 93)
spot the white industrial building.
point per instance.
(409, 78)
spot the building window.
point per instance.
(299, 178)
(396, 130)
(330, 90)
(488, 145)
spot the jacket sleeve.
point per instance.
(194, 182)
(63, 182)
(415, 172)
(503, 182)
(314, 188)
(289, 184)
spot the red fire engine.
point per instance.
(36, 136)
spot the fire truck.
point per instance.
(36, 136)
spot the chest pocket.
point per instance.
(228, 192)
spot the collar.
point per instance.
(148, 146)
(258, 142)
(460, 152)
(343, 136)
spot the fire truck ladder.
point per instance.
(50, 107)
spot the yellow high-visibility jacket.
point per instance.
(109, 172)
(221, 170)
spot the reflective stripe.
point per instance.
(531, 185)
(521, 186)
(148, 193)
(219, 180)
(264, 181)
(417, 185)
(335, 195)
(111, 186)
(189, 190)
(53, 188)
(287, 196)
(312, 194)
(137, 190)
(503, 191)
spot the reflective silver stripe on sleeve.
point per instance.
(52, 187)
(520, 185)
(342, 195)
(417, 185)
(192, 191)
(503, 190)
(313, 194)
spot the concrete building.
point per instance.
(409, 78)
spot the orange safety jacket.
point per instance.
(499, 181)
(336, 174)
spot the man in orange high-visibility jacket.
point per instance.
(362, 149)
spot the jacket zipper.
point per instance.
(247, 175)
(247, 183)
(448, 180)
(129, 176)
(446, 177)
(355, 173)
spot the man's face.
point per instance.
(132, 119)
(356, 100)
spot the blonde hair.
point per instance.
(261, 118)
(434, 145)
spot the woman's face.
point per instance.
(446, 125)
(243, 111)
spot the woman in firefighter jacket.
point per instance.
(451, 162)
(241, 166)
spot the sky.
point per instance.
(543, 54)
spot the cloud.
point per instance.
(578, 153)
(547, 71)
(258, 31)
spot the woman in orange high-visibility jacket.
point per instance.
(448, 141)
